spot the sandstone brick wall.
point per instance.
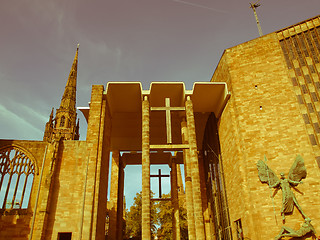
(261, 118)
(15, 224)
(67, 199)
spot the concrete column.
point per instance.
(114, 196)
(197, 201)
(188, 182)
(120, 202)
(180, 183)
(146, 205)
(175, 202)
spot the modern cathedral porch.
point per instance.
(146, 127)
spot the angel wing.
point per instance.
(298, 170)
(266, 175)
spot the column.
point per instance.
(180, 183)
(113, 201)
(98, 145)
(121, 205)
(175, 202)
(188, 182)
(146, 206)
(197, 201)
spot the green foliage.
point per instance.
(134, 218)
(164, 217)
(161, 219)
(183, 221)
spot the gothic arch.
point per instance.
(26, 152)
(18, 168)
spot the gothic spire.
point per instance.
(66, 115)
(68, 101)
(47, 137)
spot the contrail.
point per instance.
(200, 6)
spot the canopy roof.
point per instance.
(125, 102)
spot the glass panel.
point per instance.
(15, 163)
(11, 191)
(26, 197)
(19, 191)
(300, 57)
(3, 189)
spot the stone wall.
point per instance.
(15, 224)
(261, 118)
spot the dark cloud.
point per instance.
(120, 40)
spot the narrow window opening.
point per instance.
(312, 139)
(304, 89)
(294, 81)
(314, 97)
(318, 160)
(316, 127)
(62, 121)
(300, 100)
(310, 107)
(308, 78)
(239, 229)
(306, 119)
(298, 71)
(64, 235)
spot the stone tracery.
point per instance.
(17, 172)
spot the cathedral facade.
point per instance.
(249, 141)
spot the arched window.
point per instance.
(16, 178)
(62, 121)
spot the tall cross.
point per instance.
(160, 176)
(168, 110)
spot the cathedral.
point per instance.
(248, 139)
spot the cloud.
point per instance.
(200, 6)
(14, 125)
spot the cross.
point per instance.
(160, 176)
(168, 108)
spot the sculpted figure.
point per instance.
(296, 174)
(305, 228)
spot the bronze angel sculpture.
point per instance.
(296, 174)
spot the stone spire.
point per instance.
(66, 115)
(68, 100)
(47, 137)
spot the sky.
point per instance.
(120, 40)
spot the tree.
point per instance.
(164, 212)
(134, 218)
(161, 219)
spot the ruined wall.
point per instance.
(261, 118)
(67, 194)
(72, 194)
(14, 223)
